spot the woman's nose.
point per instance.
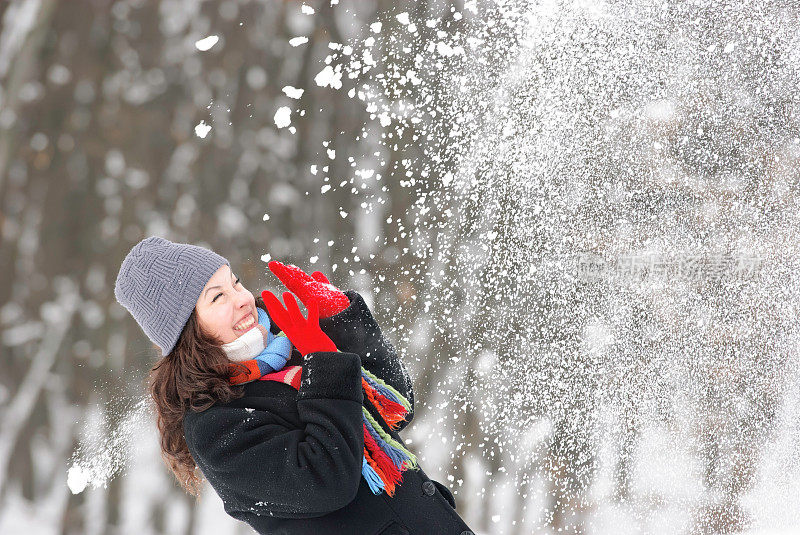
(242, 299)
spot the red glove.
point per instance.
(304, 333)
(311, 288)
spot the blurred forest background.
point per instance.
(98, 106)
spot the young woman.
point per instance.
(297, 437)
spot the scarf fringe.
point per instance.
(385, 388)
(399, 459)
(391, 412)
(374, 480)
(386, 456)
(390, 476)
(406, 459)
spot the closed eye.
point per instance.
(215, 297)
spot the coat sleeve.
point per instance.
(259, 463)
(355, 330)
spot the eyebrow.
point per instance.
(212, 287)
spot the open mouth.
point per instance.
(245, 325)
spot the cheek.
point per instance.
(220, 320)
(251, 300)
(223, 325)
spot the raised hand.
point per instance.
(304, 333)
(314, 287)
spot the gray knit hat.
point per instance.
(159, 283)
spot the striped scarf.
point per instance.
(385, 459)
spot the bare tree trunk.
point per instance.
(17, 69)
(18, 412)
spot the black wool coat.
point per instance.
(289, 461)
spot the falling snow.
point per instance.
(601, 201)
(283, 117)
(206, 43)
(100, 458)
(202, 129)
(329, 77)
(293, 92)
(297, 41)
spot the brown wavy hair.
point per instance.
(193, 375)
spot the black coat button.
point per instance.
(428, 488)
(467, 532)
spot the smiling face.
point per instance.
(225, 308)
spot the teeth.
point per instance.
(244, 324)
